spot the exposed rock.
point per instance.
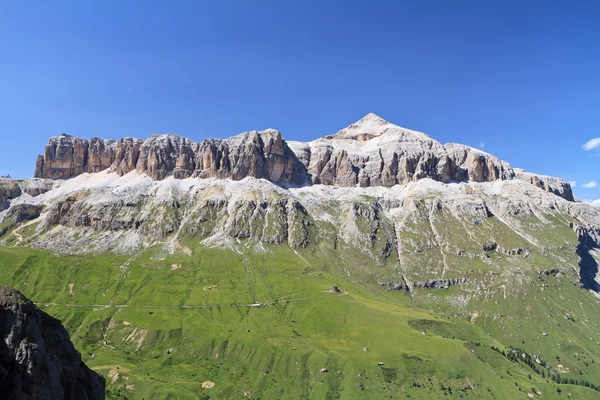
(258, 154)
(37, 358)
(433, 283)
(370, 152)
(35, 186)
(64, 156)
(490, 246)
(589, 271)
(493, 246)
(553, 272)
(394, 286)
(422, 219)
(513, 252)
(22, 212)
(557, 186)
(439, 283)
(9, 189)
(17, 214)
(374, 152)
(478, 165)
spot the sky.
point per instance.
(521, 80)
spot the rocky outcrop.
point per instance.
(64, 156)
(262, 216)
(477, 165)
(493, 246)
(258, 154)
(439, 283)
(374, 152)
(22, 212)
(9, 189)
(35, 186)
(429, 284)
(588, 240)
(370, 152)
(557, 186)
(37, 358)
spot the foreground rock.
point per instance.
(37, 358)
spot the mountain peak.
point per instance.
(369, 126)
(372, 126)
(370, 121)
(372, 117)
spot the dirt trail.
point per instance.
(269, 303)
(18, 235)
(164, 307)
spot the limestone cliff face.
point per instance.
(370, 152)
(261, 154)
(557, 186)
(37, 358)
(64, 156)
(374, 152)
(10, 189)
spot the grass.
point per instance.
(262, 324)
(167, 330)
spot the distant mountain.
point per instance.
(370, 152)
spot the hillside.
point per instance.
(204, 270)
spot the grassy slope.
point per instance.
(260, 352)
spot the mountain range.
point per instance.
(455, 273)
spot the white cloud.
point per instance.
(482, 145)
(573, 183)
(592, 144)
(593, 202)
(590, 185)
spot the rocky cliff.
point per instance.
(374, 152)
(261, 154)
(370, 152)
(557, 186)
(37, 358)
(10, 189)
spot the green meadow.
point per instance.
(221, 324)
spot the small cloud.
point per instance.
(593, 144)
(482, 145)
(573, 183)
(590, 185)
(595, 203)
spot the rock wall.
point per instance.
(557, 186)
(258, 154)
(37, 358)
(370, 152)
(11, 189)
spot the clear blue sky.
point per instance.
(522, 77)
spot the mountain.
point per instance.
(37, 358)
(370, 152)
(213, 263)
